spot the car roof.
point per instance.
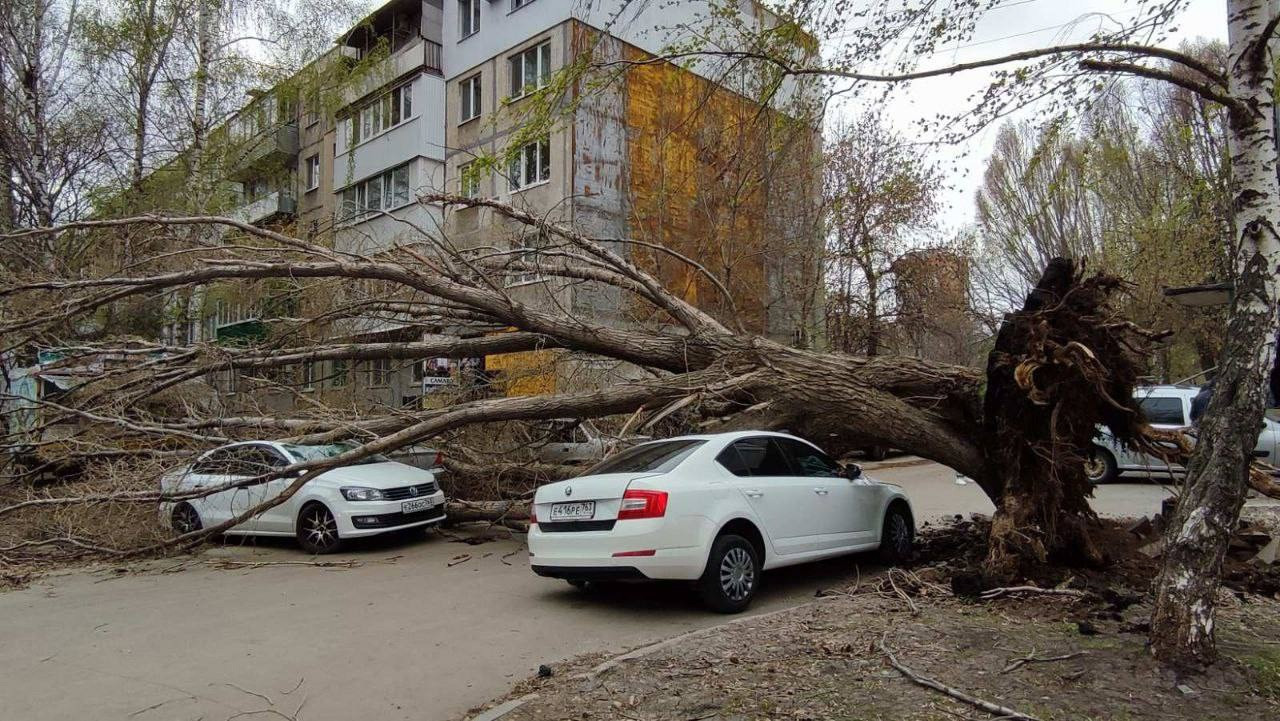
(726, 436)
(1166, 391)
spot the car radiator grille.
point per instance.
(399, 494)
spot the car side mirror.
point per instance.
(852, 471)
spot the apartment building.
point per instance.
(687, 157)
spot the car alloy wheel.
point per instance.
(896, 536)
(317, 530)
(730, 579)
(737, 574)
(899, 534)
(185, 519)
(1100, 466)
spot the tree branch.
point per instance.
(1202, 89)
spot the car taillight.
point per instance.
(533, 515)
(439, 459)
(642, 504)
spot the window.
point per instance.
(532, 165)
(530, 70)
(307, 376)
(386, 191)
(809, 461)
(338, 376)
(468, 180)
(215, 463)
(255, 460)
(659, 457)
(320, 453)
(529, 244)
(380, 115)
(1163, 410)
(517, 4)
(468, 17)
(755, 457)
(469, 99)
(313, 109)
(379, 372)
(313, 172)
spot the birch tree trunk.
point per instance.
(1217, 476)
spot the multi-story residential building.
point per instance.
(707, 159)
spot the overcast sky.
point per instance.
(1020, 25)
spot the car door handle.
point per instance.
(820, 491)
(753, 493)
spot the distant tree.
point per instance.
(1139, 187)
(879, 189)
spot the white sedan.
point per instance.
(374, 495)
(716, 510)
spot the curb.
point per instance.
(497, 712)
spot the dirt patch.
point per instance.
(824, 661)
(1078, 654)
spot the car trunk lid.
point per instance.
(603, 492)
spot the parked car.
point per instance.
(1167, 407)
(570, 441)
(372, 496)
(716, 510)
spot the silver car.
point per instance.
(1166, 407)
(571, 441)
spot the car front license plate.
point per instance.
(576, 511)
(419, 504)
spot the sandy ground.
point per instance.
(408, 638)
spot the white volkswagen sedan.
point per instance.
(716, 510)
(374, 495)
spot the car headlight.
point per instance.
(362, 494)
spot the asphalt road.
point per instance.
(409, 638)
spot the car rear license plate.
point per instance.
(418, 504)
(575, 511)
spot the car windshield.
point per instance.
(319, 453)
(659, 457)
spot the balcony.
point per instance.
(271, 148)
(270, 207)
(421, 55)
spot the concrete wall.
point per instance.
(651, 25)
(423, 136)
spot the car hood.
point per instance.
(388, 474)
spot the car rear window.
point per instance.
(659, 457)
(1163, 410)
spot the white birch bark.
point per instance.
(1217, 476)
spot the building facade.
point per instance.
(562, 108)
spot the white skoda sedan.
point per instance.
(716, 510)
(374, 495)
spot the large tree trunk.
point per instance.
(1218, 474)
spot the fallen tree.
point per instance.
(1062, 365)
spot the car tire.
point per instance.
(732, 575)
(896, 536)
(185, 519)
(875, 453)
(317, 530)
(1100, 466)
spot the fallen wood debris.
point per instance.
(991, 708)
(227, 564)
(1033, 658)
(994, 593)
